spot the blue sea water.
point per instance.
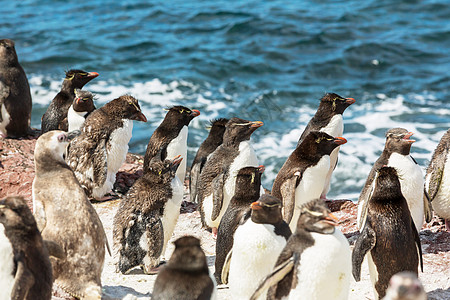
(259, 60)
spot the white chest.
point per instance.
(172, 211)
(255, 251)
(75, 119)
(412, 183)
(441, 203)
(178, 146)
(119, 146)
(5, 120)
(325, 269)
(335, 127)
(6, 265)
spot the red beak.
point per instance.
(350, 101)
(257, 124)
(92, 74)
(340, 140)
(195, 113)
(256, 206)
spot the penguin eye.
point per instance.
(61, 138)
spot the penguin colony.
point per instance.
(283, 245)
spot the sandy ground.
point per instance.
(435, 278)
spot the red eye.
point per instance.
(62, 138)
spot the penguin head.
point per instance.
(320, 143)
(84, 101)
(217, 126)
(398, 140)
(387, 184)
(335, 103)
(180, 115)
(238, 130)
(163, 171)
(52, 146)
(248, 181)
(8, 53)
(78, 78)
(15, 214)
(188, 255)
(316, 217)
(405, 285)
(267, 210)
(126, 107)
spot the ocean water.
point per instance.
(260, 60)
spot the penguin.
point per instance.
(218, 177)
(388, 237)
(214, 140)
(396, 154)
(55, 117)
(328, 119)
(82, 106)
(316, 261)
(258, 241)
(248, 185)
(100, 150)
(146, 218)
(437, 180)
(304, 173)
(65, 216)
(15, 96)
(405, 286)
(171, 137)
(26, 271)
(186, 275)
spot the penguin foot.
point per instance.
(108, 197)
(214, 232)
(154, 270)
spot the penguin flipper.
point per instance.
(100, 164)
(365, 242)
(437, 171)
(428, 209)
(217, 187)
(287, 190)
(195, 177)
(54, 249)
(418, 244)
(226, 267)
(275, 276)
(4, 93)
(23, 281)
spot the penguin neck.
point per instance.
(303, 152)
(171, 126)
(235, 141)
(46, 164)
(68, 87)
(325, 112)
(246, 196)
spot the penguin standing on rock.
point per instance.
(147, 216)
(15, 96)
(396, 154)
(258, 241)
(25, 272)
(100, 150)
(186, 275)
(248, 187)
(328, 119)
(388, 237)
(211, 143)
(218, 178)
(302, 176)
(55, 118)
(437, 180)
(82, 106)
(316, 261)
(170, 138)
(65, 216)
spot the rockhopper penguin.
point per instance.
(302, 176)
(214, 140)
(100, 150)
(388, 235)
(15, 96)
(328, 119)
(55, 118)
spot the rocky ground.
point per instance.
(17, 173)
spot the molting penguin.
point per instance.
(56, 115)
(214, 140)
(316, 261)
(171, 137)
(304, 173)
(388, 236)
(405, 286)
(218, 178)
(437, 180)
(147, 216)
(15, 96)
(396, 154)
(186, 275)
(248, 187)
(25, 272)
(328, 119)
(100, 150)
(257, 243)
(65, 216)
(82, 106)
